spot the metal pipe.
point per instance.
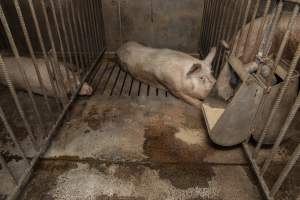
(282, 133)
(250, 29)
(278, 99)
(283, 44)
(13, 136)
(67, 41)
(42, 45)
(242, 31)
(286, 171)
(6, 168)
(255, 168)
(93, 7)
(76, 36)
(215, 24)
(61, 46)
(20, 67)
(72, 37)
(86, 30)
(85, 43)
(260, 31)
(57, 69)
(31, 51)
(26, 176)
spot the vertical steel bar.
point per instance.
(83, 38)
(79, 48)
(42, 45)
(204, 28)
(72, 37)
(209, 26)
(86, 30)
(20, 67)
(13, 136)
(217, 7)
(223, 35)
(96, 25)
(92, 26)
(286, 171)
(230, 30)
(282, 133)
(250, 29)
(57, 68)
(67, 72)
(283, 44)
(261, 28)
(278, 99)
(100, 26)
(274, 27)
(242, 31)
(67, 41)
(6, 168)
(236, 34)
(31, 51)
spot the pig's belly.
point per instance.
(143, 74)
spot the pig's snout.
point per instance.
(86, 90)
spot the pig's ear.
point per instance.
(194, 69)
(211, 56)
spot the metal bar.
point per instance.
(250, 29)
(31, 51)
(26, 176)
(203, 29)
(260, 31)
(13, 136)
(67, 41)
(215, 24)
(20, 67)
(61, 46)
(92, 26)
(274, 27)
(95, 24)
(255, 168)
(6, 168)
(42, 45)
(88, 39)
(83, 38)
(278, 99)
(72, 37)
(76, 36)
(286, 171)
(57, 69)
(282, 133)
(283, 44)
(102, 25)
(242, 31)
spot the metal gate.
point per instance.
(58, 32)
(224, 25)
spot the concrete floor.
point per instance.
(131, 141)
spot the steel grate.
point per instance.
(110, 80)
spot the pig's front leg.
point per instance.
(191, 100)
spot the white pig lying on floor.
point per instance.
(27, 64)
(184, 76)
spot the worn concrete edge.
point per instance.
(27, 174)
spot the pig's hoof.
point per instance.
(86, 90)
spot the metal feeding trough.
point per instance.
(247, 113)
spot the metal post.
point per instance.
(42, 45)
(13, 136)
(20, 67)
(278, 99)
(286, 171)
(31, 51)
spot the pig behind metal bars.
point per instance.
(27, 64)
(184, 76)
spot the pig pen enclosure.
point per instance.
(129, 140)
